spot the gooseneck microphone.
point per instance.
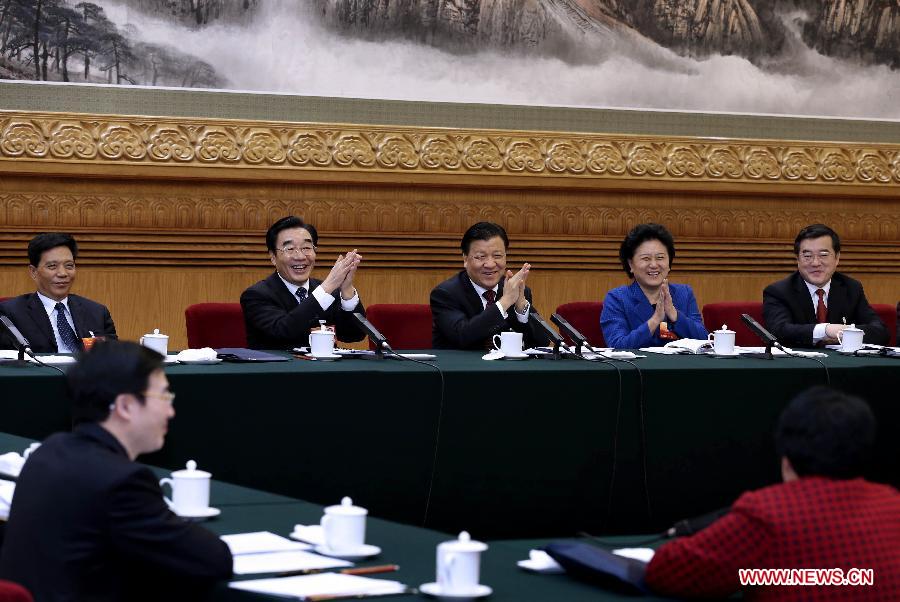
(578, 339)
(19, 341)
(378, 339)
(554, 337)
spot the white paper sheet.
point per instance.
(313, 534)
(642, 554)
(280, 562)
(7, 488)
(261, 541)
(322, 584)
(53, 360)
(11, 464)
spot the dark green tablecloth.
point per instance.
(521, 449)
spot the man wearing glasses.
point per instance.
(87, 522)
(484, 298)
(810, 307)
(280, 310)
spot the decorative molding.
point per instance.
(299, 149)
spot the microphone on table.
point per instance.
(378, 339)
(768, 339)
(578, 339)
(19, 342)
(689, 526)
(554, 337)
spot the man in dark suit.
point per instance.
(280, 310)
(823, 516)
(483, 299)
(812, 305)
(53, 320)
(89, 523)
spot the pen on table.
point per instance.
(366, 570)
(348, 596)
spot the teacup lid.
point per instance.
(725, 329)
(464, 543)
(156, 333)
(853, 327)
(346, 507)
(191, 472)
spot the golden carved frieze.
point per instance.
(119, 140)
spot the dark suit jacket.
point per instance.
(459, 322)
(87, 523)
(28, 314)
(790, 315)
(275, 319)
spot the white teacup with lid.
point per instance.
(723, 340)
(851, 338)
(190, 491)
(156, 341)
(321, 341)
(459, 566)
(344, 527)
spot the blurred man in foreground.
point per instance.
(89, 523)
(823, 516)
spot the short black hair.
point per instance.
(109, 369)
(817, 231)
(483, 231)
(45, 241)
(285, 223)
(825, 432)
(638, 236)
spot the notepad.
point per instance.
(261, 541)
(322, 584)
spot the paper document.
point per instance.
(280, 562)
(53, 360)
(313, 534)
(7, 488)
(11, 464)
(261, 541)
(642, 554)
(322, 584)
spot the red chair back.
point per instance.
(215, 325)
(585, 317)
(406, 325)
(729, 313)
(2, 299)
(13, 592)
(888, 315)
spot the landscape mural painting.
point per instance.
(801, 57)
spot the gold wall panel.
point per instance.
(170, 212)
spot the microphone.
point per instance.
(376, 337)
(554, 337)
(764, 335)
(19, 341)
(578, 339)
(689, 526)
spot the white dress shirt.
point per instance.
(819, 329)
(50, 308)
(325, 300)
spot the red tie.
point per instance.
(489, 296)
(821, 310)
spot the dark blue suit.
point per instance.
(28, 314)
(87, 523)
(626, 311)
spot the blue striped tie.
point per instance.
(68, 336)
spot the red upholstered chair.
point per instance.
(405, 325)
(215, 325)
(729, 312)
(13, 592)
(888, 315)
(585, 317)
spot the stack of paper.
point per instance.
(306, 587)
(7, 488)
(265, 552)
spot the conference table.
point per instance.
(412, 548)
(503, 449)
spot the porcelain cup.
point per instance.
(190, 490)
(723, 341)
(321, 343)
(851, 338)
(344, 526)
(459, 565)
(156, 341)
(510, 343)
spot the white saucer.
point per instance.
(521, 356)
(363, 551)
(200, 362)
(433, 589)
(323, 358)
(205, 513)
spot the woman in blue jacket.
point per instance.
(632, 314)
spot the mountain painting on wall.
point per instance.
(802, 57)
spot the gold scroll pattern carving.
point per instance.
(253, 215)
(198, 142)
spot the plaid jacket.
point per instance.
(809, 523)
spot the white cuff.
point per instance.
(502, 311)
(523, 317)
(819, 332)
(325, 300)
(351, 303)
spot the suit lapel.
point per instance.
(76, 308)
(806, 304)
(281, 292)
(470, 295)
(38, 315)
(837, 302)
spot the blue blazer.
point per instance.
(626, 311)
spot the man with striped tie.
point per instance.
(280, 310)
(53, 320)
(810, 307)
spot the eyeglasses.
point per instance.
(480, 258)
(304, 249)
(809, 256)
(167, 396)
